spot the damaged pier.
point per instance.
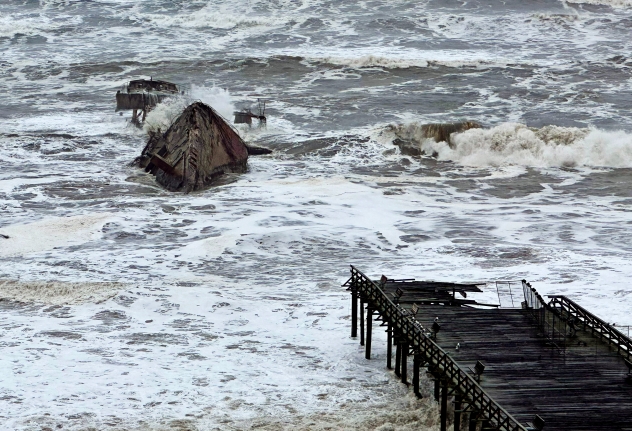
(548, 365)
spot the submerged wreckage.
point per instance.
(408, 138)
(198, 147)
(142, 95)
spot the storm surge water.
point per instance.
(127, 307)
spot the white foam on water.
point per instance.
(234, 317)
(209, 248)
(216, 16)
(51, 233)
(27, 24)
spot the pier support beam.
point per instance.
(361, 322)
(473, 421)
(457, 412)
(398, 359)
(389, 346)
(444, 405)
(404, 350)
(369, 329)
(416, 367)
(354, 313)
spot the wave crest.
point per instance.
(613, 3)
(517, 144)
(386, 62)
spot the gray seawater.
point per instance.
(226, 310)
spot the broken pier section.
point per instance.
(548, 364)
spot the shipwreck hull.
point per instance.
(198, 147)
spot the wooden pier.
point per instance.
(552, 366)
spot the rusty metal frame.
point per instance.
(438, 360)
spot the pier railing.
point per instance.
(553, 326)
(439, 362)
(585, 318)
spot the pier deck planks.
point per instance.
(582, 388)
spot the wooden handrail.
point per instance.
(439, 361)
(587, 319)
(552, 324)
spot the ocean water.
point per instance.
(126, 307)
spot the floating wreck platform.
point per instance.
(549, 365)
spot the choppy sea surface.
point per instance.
(128, 307)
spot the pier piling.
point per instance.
(369, 328)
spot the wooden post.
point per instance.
(369, 327)
(389, 346)
(354, 313)
(404, 355)
(361, 322)
(416, 366)
(444, 406)
(398, 359)
(134, 116)
(457, 412)
(473, 421)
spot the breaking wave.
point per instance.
(613, 3)
(12, 25)
(213, 16)
(517, 144)
(401, 63)
(166, 112)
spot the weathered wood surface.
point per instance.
(197, 147)
(580, 387)
(583, 389)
